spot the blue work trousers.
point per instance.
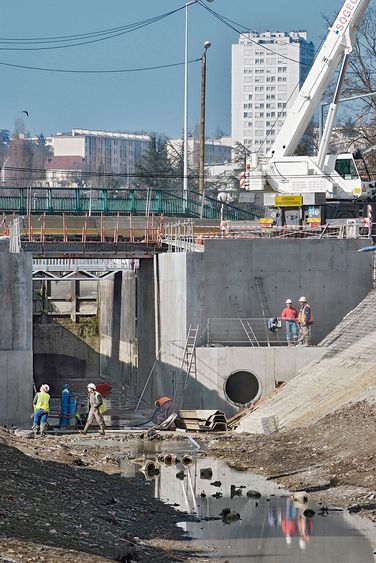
(291, 331)
(40, 417)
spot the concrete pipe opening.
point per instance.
(242, 388)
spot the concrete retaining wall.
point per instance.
(194, 287)
(16, 361)
(214, 365)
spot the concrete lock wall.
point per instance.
(216, 365)
(195, 287)
(16, 358)
(117, 329)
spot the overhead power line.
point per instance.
(160, 174)
(99, 71)
(226, 21)
(80, 39)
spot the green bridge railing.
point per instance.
(79, 201)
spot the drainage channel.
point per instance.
(242, 517)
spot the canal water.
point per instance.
(231, 526)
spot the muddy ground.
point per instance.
(64, 502)
(59, 503)
(334, 459)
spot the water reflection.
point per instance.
(271, 529)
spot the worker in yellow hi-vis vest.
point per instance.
(41, 404)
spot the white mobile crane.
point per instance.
(325, 177)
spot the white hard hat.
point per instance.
(303, 300)
(288, 302)
(91, 386)
(45, 387)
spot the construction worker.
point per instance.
(305, 320)
(166, 409)
(41, 405)
(290, 315)
(95, 403)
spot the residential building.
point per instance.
(216, 150)
(64, 171)
(268, 69)
(104, 152)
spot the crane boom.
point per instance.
(338, 43)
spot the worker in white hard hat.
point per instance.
(305, 320)
(290, 316)
(96, 408)
(41, 405)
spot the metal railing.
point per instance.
(124, 201)
(338, 229)
(243, 332)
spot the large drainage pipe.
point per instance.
(242, 388)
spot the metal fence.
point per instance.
(243, 332)
(140, 201)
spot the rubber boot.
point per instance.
(101, 429)
(84, 431)
(35, 429)
(43, 428)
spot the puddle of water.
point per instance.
(271, 529)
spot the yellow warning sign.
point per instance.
(266, 220)
(288, 200)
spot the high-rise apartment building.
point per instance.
(268, 69)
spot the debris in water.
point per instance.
(217, 495)
(253, 494)
(228, 516)
(236, 491)
(180, 475)
(206, 473)
(309, 513)
(216, 483)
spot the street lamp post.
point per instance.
(201, 173)
(185, 123)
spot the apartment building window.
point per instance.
(248, 79)
(259, 133)
(248, 71)
(259, 106)
(282, 79)
(247, 106)
(259, 114)
(259, 88)
(270, 79)
(270, 96)
(247, 62)
(247, 88)
(259, 61)
(282, 69)
(247, 114)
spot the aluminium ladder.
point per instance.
(188, 365)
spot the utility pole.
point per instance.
(201, 173)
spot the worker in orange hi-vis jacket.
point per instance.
(305, 322)
(290, 316)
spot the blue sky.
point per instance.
(151, 101)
